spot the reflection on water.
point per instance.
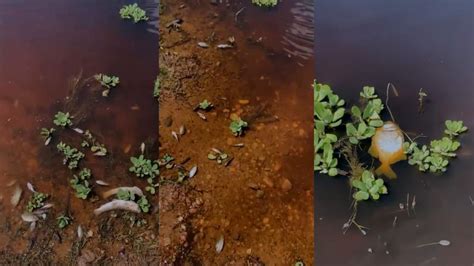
(298, 39)
(152, 10)
(413, 44)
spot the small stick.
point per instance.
(238, 13)
(472, 201)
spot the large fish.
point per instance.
(387, 146)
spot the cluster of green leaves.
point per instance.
(72, 156)
(97, 148)
(130, 196)
(205, 105)
(107, 81)
(47, 132)
(237, 127)
(328, 113)
(157, 88)
(63, 221)
(366, 120)
(62, 119)
(146, 168)
(368, 187)
(265, 3)
(435, 157)
(133, 12)
(80, 183)
(36, 201)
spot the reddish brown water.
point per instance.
(42, 46)
(413, 44)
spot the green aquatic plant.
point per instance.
(63, 221)
(143, 167)
(108, 82)
(99, 149)
(368, 187)
(144, 204)
(62, 119)
(72, 156)
(80, 183)
(133, 12)
(265, 3)
(205, 105)
(36, 201)
(238, 126)
(454, 128)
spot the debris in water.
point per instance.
(80, 232)
(48, 140)
(472, 201)
(30, 187)
(220, 244)
(175, 135)
(193, 171)
(142, 148)
(15, 199)
(47, 206)
(224, 46)
(118, 205)
(231, 39)
(444, 243)
(101, 183)
(370, 250)
(135, 190)
(203, 44)
(78, 130)
(239, 145)
(29, 217)
(201, 115)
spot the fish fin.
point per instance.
(373, 151)
(386, 170)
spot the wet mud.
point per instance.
(257, 208)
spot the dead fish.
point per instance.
(193, 171)
(239, 145)
(220, 244)
(48, 140)
(201, 115)
(224, 46)
(203, 44)
(387, 146)
(142, 147)
(135, 190)
(29, 217)
(101, 183)
(80, 232)
(78, 130)
(182, 130)
(118, 205)
(15, 199)
(175, 135)
(30, 187)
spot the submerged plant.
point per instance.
(62, 119)
(133, 12)
(36, 201)
(63, 221)
(265, 3)
(72, 156)
(237, 127)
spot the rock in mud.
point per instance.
(286, 185)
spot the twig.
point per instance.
(238, 13)
(472, 201)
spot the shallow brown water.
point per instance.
(259, 69)
(413, 44)
(42, 46)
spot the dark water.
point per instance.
(413, 44)
(44, 44)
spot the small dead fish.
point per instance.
(80, 232)
(239, 145)
(15, 199)
(118, 205)
(175, 135)
(78, 130)
(220, 244)
(29, 217)
(203, 45)
(30, 187)
(201, 115)
(48, 140)
(182, 130)
(101, 183)
(193, 171)
(135, 190)
(142, 147)
(224, 46)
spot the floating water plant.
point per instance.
(63, 221)
(157, 88)
(62, 119)
(205, 105)
(72, 156)
(237, 127)
(99, 149)
(368, 187)
(80, 183)
(143, 167)
(133, 12)
(108, 82)
(36, 201)
(265, 3)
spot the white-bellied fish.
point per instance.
(387, 146)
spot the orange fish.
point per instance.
(387, 146)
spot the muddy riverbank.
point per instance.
(256, 208)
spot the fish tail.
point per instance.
(386, 170)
